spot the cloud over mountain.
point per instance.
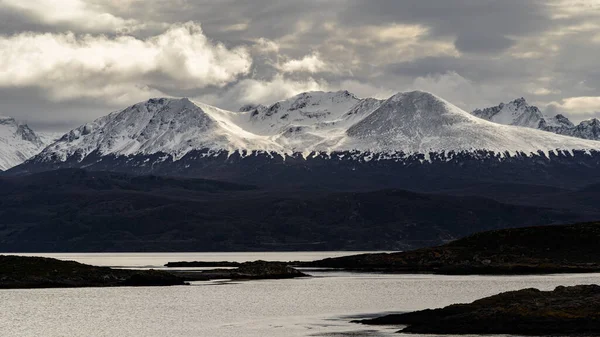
(92, 55)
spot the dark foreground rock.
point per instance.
(245, 271)
(564, 311)
(533, 250)
(38, 272)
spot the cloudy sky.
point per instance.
(65, 62)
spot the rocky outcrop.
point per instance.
(37, 272)
(533, 250)
(564, 311)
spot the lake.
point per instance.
(319, 306)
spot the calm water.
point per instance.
(318, 306)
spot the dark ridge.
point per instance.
(533, 250)
(106, 180)
(75, 210)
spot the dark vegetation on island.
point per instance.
(532, 250)
(23, 272)
(566, 311)
(39, 272)
(203, 264)
(256, 270)
(83, 211)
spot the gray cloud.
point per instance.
(473, 52)
(481, 25)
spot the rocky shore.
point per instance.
(533, 250)
(37, 272)
(566, 311)
(243, 271)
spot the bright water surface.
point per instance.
(318, 306)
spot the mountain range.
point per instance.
(412, 140)
(320, 170)
(520, 113)
(315, 122)
(308, 124)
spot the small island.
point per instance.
(532, 250)
(257, 270)
(567, 311)
(38, 272)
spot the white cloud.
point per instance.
(585, 105)
(75, 14)
(310, 63)
(238, 27)
(265, 46)
(462, 92)
(540, 91)
(385, 43)
(564, 9)
(71, 66)
(450, 86)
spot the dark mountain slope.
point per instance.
(74, 210)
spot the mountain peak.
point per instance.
(562, 121)
(517, 112)
(519, 102)
(163, 101)
(18, 142)
(416, 119)
(415, 95)
(250, 107)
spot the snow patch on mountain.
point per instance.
(49, 137)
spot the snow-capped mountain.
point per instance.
(588, 129)
(414, 122)
(321, 137)
(18, 143)
(520, 113)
